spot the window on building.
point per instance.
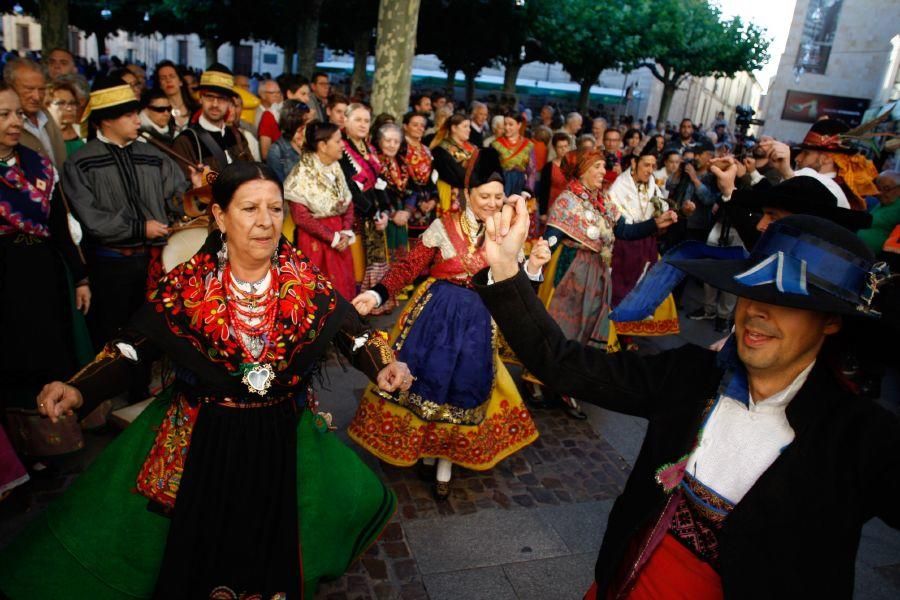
(23, 36)
(182, 52)
(243, 60)
(818, 36)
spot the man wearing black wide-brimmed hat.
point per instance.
(209, 140)
(125, 196)
(808, 192)
(758, 471)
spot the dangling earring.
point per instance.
(223, 251)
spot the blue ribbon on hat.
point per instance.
(788, 273)
(807, 261)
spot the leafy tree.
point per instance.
(516, 37)
(348, 26)
(680, 38)
(587, 37)
(462, 33)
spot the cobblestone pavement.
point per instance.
(568, 464)
(529, 529)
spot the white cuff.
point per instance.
(376, 296)
(539, 276)
(336, 240)
(128, 351)
(755, 177)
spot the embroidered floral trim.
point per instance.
(401, 438)
(25, 219)
(193, 300)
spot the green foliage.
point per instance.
(342, 20)
(588, 36)
(462, 33)
(689, 37)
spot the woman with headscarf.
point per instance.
(463, 408)
(584, 226)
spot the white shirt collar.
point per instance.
(779, 400)
(106, 140)
(205, 124)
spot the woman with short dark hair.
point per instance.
(321, 206)
(261, 499)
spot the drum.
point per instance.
(184, 243)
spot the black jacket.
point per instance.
(795, 533)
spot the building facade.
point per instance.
(842, 59)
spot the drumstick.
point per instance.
(172, 153)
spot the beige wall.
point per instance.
(860, 57)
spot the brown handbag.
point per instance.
(36, 436)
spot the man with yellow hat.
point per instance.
(210, 141)
(125, 195)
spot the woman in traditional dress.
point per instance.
(451, 151)
(516, 156)
(321, 206)
(43, 285)
(586, 226)
(638, 198)
(389, 141)
(422, 177)
(360, 165)
(463, 408)
(243, 491)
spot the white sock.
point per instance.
(444, 468)
(428, 461)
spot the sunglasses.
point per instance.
(160, 109)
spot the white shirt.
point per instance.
(205, 124)
(40, 132)
(740, 441)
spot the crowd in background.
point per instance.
(361, 187)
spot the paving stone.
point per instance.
(561, 578)
(486, 538)
(581, 526)
(474, 584)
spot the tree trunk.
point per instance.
(290, 49)
(212, 50)
(669, 89)
(101, 36)
(54, 25)
(360, 55)
(308, 39)
(511, 74)
(451, 80)
(394, 53)
(584, 94)
(470, 85)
